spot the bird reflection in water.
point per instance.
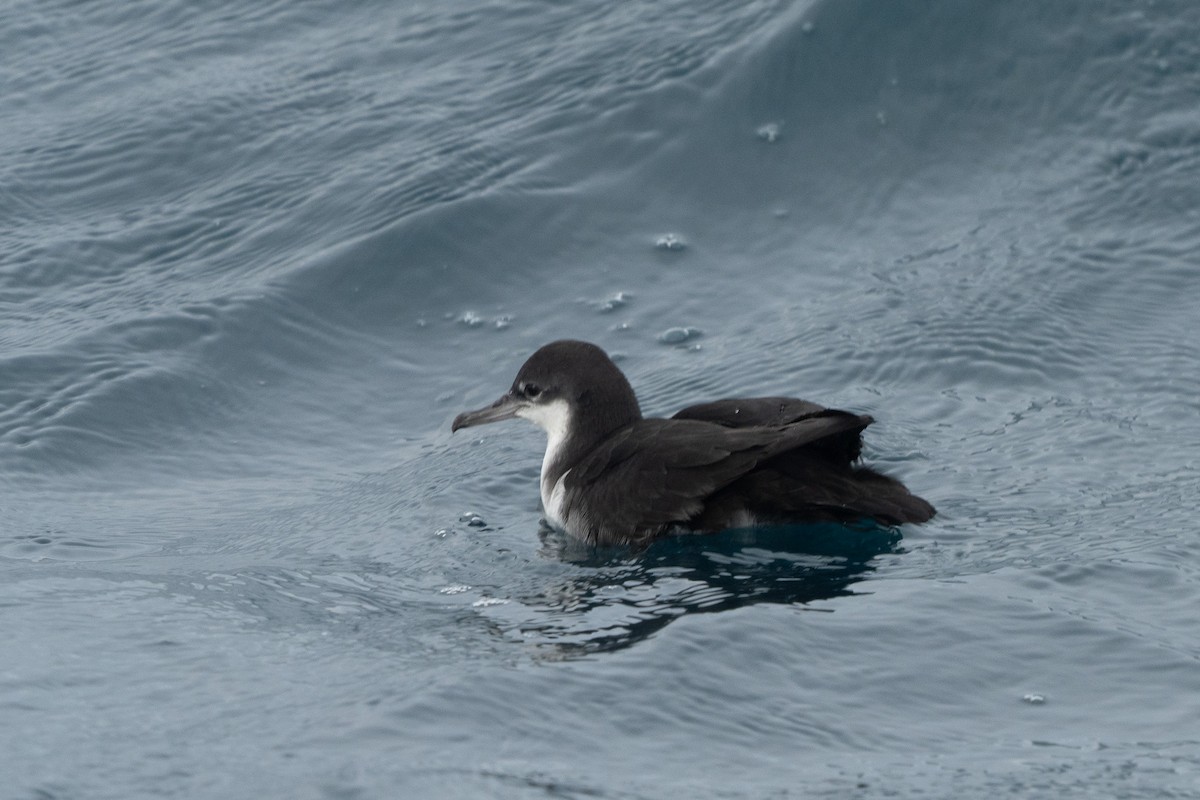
(621, 596)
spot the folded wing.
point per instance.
(818, 481)
(751, 412)
(657, 473)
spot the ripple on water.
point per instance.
(60, 546)
(613, 302)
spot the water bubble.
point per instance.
(470, 319)
(472, 519)
(669, 241)
(484, 602)
(1034, 699)
(503, 321)
(807, 28)
(678, 335)
(613, 302)
(881, 117)
(454, 588)
(768, 132)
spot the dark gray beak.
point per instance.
(504, 408)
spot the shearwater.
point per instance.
(611, 476)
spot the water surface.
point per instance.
(255, 257)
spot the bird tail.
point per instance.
(882, 497)
(807, 489)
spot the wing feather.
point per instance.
(747, 412)
(657, 473)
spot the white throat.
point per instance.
(555, 419)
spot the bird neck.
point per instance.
(595, 415)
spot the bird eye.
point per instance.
(531, 390)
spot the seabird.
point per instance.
(611, 476)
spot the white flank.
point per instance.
(553, 504)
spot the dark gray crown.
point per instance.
(599, 395)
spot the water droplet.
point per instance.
(881, 117)
(678, 335)
(768, 132)
(470, 319)
(613, 302)
(807, 28)
(1034, 699)
(669, 241)
(503, 321)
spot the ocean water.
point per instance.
(254, 257)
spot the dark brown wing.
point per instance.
(804, 489)
(751, 412)
(659, 472)
(747, 412)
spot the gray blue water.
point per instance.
(254, 257)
